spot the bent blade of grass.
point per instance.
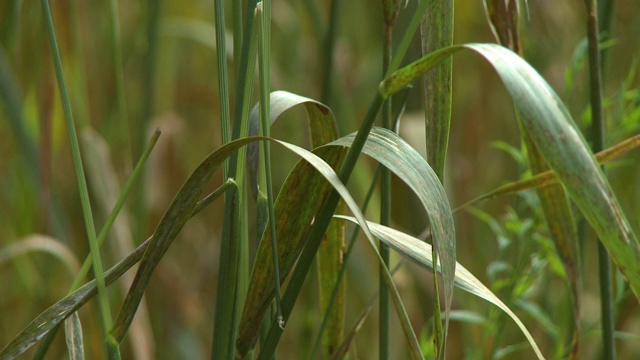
(393, 152)
(422, 253)
(552, 130)
(323, 129)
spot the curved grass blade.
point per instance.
(322, 125)
(552, 130)
(294, 222)
(322, 129)
(421, 253)
(405, 162)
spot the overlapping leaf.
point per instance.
(553, 132)
(422, 253)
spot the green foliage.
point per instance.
(152, 65)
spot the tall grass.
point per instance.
(220, 292)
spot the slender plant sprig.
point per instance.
(234, 235)
(121, 97)
(263, 11)
(328, 43)
(326, 213)
(84, 270)
(104, 310)
(437, 33)
(223, 80)
(390, 9)
(597, 140)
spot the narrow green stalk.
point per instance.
(223, 78)
(104, 310)
(236, 8)
(324, 217)
(138, 207)
(233, 231)
(389, 11)
(119, 80)
(597, 140)
(263, 12)
(80, 90)
(437, 33)
(329, 47)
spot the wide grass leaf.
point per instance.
(422, 254)
(554, 133)
(406, 163)
(181, 209)
(322, 129)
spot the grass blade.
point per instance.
(554, 133)
(421, 253)
(104, 310)
(73, 330)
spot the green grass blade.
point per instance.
(263, 14)
(235, 238)
(554, 133)
(390, 10)
(394, 153)
(104, 310)
(421, 253)
(73, 332)
(306, 220)
(437, 32)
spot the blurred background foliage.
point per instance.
(504, 241)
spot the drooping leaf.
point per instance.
(406, 163)
(553, 131)
(322, 129)
(421, 253)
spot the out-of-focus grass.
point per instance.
(38, 194)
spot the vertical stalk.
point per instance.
(324, 217)
(390, 12)
(329, 47)
(139, 200)
(597, 139)
(263, 13)
(103, 301)
(234, 231)
(437, 33)
(119, 81)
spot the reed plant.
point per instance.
(316, 180)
